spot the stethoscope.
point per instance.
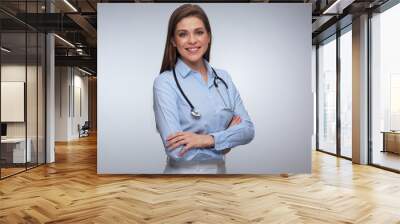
(196, 114)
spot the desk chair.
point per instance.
(84, 130)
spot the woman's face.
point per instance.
(191, 39)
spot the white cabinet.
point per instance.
(18, 149)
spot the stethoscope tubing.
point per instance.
(195, 113)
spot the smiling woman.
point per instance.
(194, 141)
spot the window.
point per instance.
(385, 89)
(346, 93)
(327, 96)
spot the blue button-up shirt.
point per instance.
(217, 106)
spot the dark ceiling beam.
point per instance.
(82, 61)
(52, 22)
(381, 5)
(83, 23)
(329, 14)
(16, 18)
(333, 26)
(321, 23)
(86, 51)
(11, 25)
(49, 22)
(91, 5)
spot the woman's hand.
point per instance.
(235, 120)
(189, 140)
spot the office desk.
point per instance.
(391, 141)
(13, 150)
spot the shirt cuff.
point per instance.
(220, 142)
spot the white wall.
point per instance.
(12, 73)
(68, 81)
(61, 103)
(265, 47)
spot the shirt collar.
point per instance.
(184, 70)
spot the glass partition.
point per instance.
(13, 110)
(22, 77)
(32, 73)
(327, 96)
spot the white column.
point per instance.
(360, 90)
(50, 110)
(50, 92)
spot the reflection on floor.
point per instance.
(346, 152)
(386, 159)
(10, 169)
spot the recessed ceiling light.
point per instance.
(5, 50)
(64, 40)
(338, 6)
(70, 5)
(84, 71)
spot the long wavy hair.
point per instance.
(171, 54)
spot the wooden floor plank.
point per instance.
(70, 191)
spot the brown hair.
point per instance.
(170, 53)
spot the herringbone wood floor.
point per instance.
(70, 191)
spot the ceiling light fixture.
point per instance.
(338, 6)
(5, 50)
(84, 71)
(331, 7)
(70, 5)
(79, 51)
(64, 40)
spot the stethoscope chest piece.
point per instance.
(195, 114)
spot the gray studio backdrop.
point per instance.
(265, 47)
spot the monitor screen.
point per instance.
(3, 129)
